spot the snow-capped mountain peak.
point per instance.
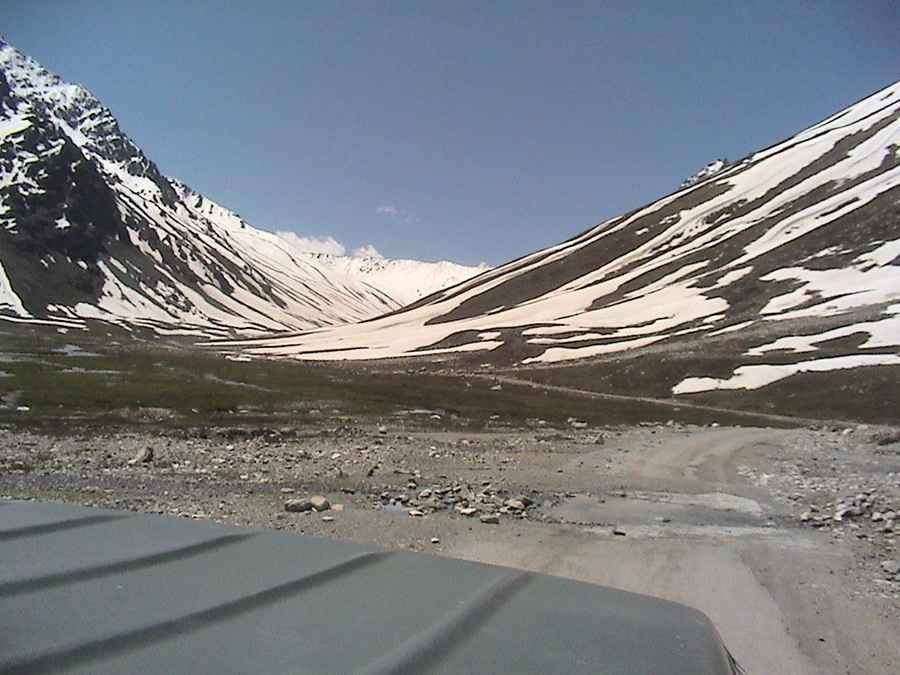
(90, 229)
(707, 171)
(404, 280)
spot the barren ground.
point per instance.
(707, 516)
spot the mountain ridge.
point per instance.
(799, 242)
(90, 229)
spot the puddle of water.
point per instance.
(234, 383)
(17, 357)
(395, 508)
(720, 501)
(705, 510)
(73, 350)
(703, 532)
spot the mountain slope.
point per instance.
(90, 229)
(798, 243)
(404, 280)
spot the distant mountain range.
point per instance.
(404, 280)
(90, 229)
(790, 256)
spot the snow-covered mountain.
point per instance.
(90, 229)
(793, 249)
(404, 280)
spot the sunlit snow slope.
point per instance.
(807, 229)
(90, 229)
(404, 280)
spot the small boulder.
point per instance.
(143, 456)
(298, 505)
(490, 519)
(319, 503)
(891, 567)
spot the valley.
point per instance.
(698, 399)
(736, 513)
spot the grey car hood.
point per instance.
(96, 591)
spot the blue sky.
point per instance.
(456, 130)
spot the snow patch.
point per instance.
(756, 376)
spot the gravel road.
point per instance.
(717, 518)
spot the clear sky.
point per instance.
(471, 131)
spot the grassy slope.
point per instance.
(189, 386)
(870, 394)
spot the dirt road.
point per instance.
(692, 531)
(699, 515)
(755, 417)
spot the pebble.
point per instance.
(144, 456)
(490, 519)
(515, 504)
(435, 540)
